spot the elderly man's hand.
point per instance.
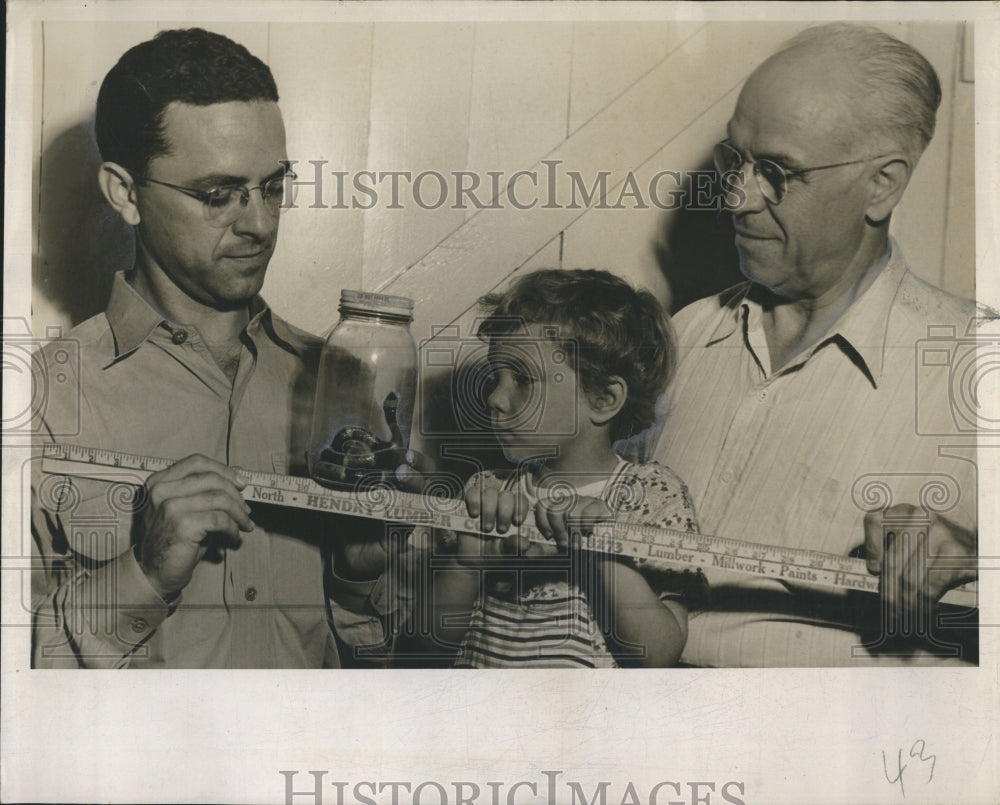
(917, 569)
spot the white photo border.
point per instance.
(787, 736)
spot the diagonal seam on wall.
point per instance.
(639, 123)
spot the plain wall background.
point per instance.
(488, 96)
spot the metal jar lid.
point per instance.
(376, 303)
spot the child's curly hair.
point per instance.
(607, 327)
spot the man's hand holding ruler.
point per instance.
(660, 545)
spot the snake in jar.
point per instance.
(356, 448)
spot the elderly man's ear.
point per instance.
(887, 186)
(119, 189)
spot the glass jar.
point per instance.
(364, 391)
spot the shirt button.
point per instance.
(250, 594)
(139, 625)
(179, 336)
(726, 477)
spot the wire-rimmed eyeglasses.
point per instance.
(224, 204)
(772, 178)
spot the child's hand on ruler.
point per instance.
(500, 510)
(568, 521)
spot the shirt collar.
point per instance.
(280, 331)
(133, 319)
(735, 301)
(861, 329)
(864, 325)
(130, 316)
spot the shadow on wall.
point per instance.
(694, 248)
(82, 242)
(452, 427)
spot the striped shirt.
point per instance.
(534, 619)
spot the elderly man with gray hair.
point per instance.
(801, 416)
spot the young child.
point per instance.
(577, 362)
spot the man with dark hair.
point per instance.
(797, 414)
(187, 362)
(190, 66)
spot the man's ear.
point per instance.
(607, 401)
(118, 187)
(887, 186)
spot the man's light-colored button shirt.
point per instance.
(862, 420)
(136, 383)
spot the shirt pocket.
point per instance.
(814, 512)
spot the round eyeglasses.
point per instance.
(772, 178)
(224, 204)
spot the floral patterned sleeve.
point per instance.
(652, 494)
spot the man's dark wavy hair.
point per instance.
(607, 328)
(188, 65)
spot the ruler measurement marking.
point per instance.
(800, 566)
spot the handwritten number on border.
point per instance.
(918, 751)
